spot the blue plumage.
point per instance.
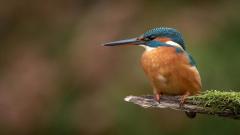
(165, 32)
(179, 50)
(191, 60)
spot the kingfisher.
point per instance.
(170, 69)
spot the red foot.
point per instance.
(183, 99)
(157, 96)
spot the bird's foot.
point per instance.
(183, 99)
(157, 97)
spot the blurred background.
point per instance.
(56, 78)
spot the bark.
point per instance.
(172, 102)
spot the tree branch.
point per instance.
(191, 105)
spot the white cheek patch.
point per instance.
(174, 44)
(171, 43)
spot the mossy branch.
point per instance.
(212, 102)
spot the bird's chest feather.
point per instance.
(170, 72)
(163, 60)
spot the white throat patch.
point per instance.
(147, 48)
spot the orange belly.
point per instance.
(170, 73)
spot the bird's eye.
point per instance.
(146, 39)
(149, 38)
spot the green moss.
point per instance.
(218, 100)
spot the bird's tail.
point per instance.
(191, 115)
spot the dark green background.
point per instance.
(56, 78)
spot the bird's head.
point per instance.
(154, 38)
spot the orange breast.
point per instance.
(169, 72)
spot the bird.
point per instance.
(169, 67)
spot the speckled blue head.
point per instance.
(152, 38)
(164, 32)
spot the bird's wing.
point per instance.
(191, 60)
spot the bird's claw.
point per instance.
(183, 99)
(157, 97)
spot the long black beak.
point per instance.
(132, 41)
